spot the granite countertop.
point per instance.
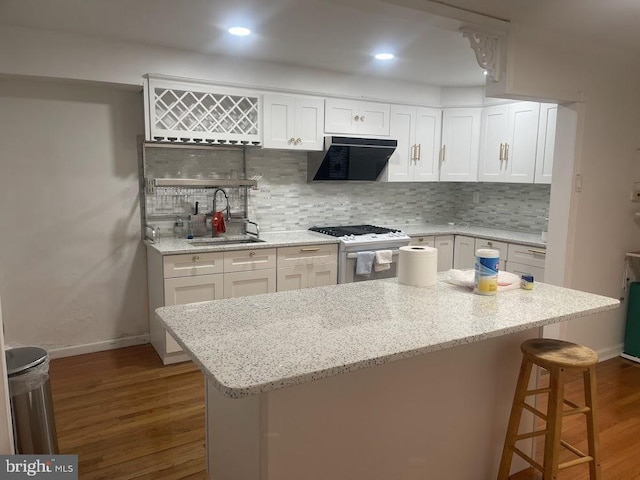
(256, 344)
(172, 246)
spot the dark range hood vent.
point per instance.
(349, 158)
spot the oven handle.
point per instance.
(355, 255)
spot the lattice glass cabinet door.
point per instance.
(186, 112)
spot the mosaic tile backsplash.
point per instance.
(285, 201)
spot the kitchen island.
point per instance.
(382, 380)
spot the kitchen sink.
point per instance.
(208, 242)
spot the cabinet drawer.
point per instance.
(521, 269)
(192, 264)
(500, 246)
(248, 260)
(201, 288)
(243, 284)
(307, 255)
(422, 241)
(525, 255)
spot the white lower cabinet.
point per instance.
(464, 253)
(307, 266)
(444, 245)
(523, 259)
(243, 284)
(501, 247)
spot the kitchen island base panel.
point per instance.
(442, 415)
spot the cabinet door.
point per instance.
(428, 133)
(292, 278)
(423, 241)
(307, 255)
(242, 284)
(340, 116)
(373, 119)
(460, 145)
(190, 264)
(546, 142)
(445, 246)
(493, 137)
(402, 127)
(181, 290)
(278, 121)
(323, 275)
(520, 157)
(248, 260)
(526, 255)
(309, 124)
(465, 252)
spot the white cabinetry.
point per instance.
(186, 111)
(522, 259)
(249, 272)
(356, 117)
(444, 245)
(293, 123)
(176, 280)
(418, 131)
(464, 253)
(546, 142)
(460, 144)
(508, 143)
(307, 266)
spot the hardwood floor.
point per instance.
(128, 417)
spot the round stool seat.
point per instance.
(557, 353)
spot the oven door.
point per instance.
(347, 268)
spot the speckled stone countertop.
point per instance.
(171, 246)
(255, 344)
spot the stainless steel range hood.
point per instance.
(349, 158)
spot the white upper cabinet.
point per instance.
(546, 142)
(508, 143)
(355, 117)
(417, 130)
(293, 123)
(460, 145)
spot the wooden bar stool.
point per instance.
(555, 356)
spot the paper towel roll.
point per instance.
(418, 266)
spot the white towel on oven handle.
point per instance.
(383, 260)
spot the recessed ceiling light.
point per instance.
(383, 56)
(239, 31)
(485, 72)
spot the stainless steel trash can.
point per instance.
(34, 427)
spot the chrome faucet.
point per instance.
(228, 212)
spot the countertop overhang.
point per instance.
(250, 345)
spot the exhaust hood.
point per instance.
(349, 158)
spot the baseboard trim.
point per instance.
(99, 346)
(630, 357)
(609, 353)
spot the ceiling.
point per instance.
(337, 35)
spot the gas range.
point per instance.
(365, 237)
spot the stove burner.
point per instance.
(341, 231)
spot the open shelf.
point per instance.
(202, 182)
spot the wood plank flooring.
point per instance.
(129, 417)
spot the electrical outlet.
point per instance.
(476, 197)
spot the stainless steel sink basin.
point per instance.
(208, 242)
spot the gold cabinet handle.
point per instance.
(292, 140)
(419, 151)
(252, 254)
(444, 153)
(413, 153)
(362, 118)
(501, 152)
(195, 258)
(356, 118)
(490, 244)
(506, 152)
(539, 252)
(298, 141)
(421, 240)
(310, 249)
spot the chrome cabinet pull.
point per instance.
(539, 252)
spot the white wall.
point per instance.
(602, 227)
(72, 267)
(36, 53)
